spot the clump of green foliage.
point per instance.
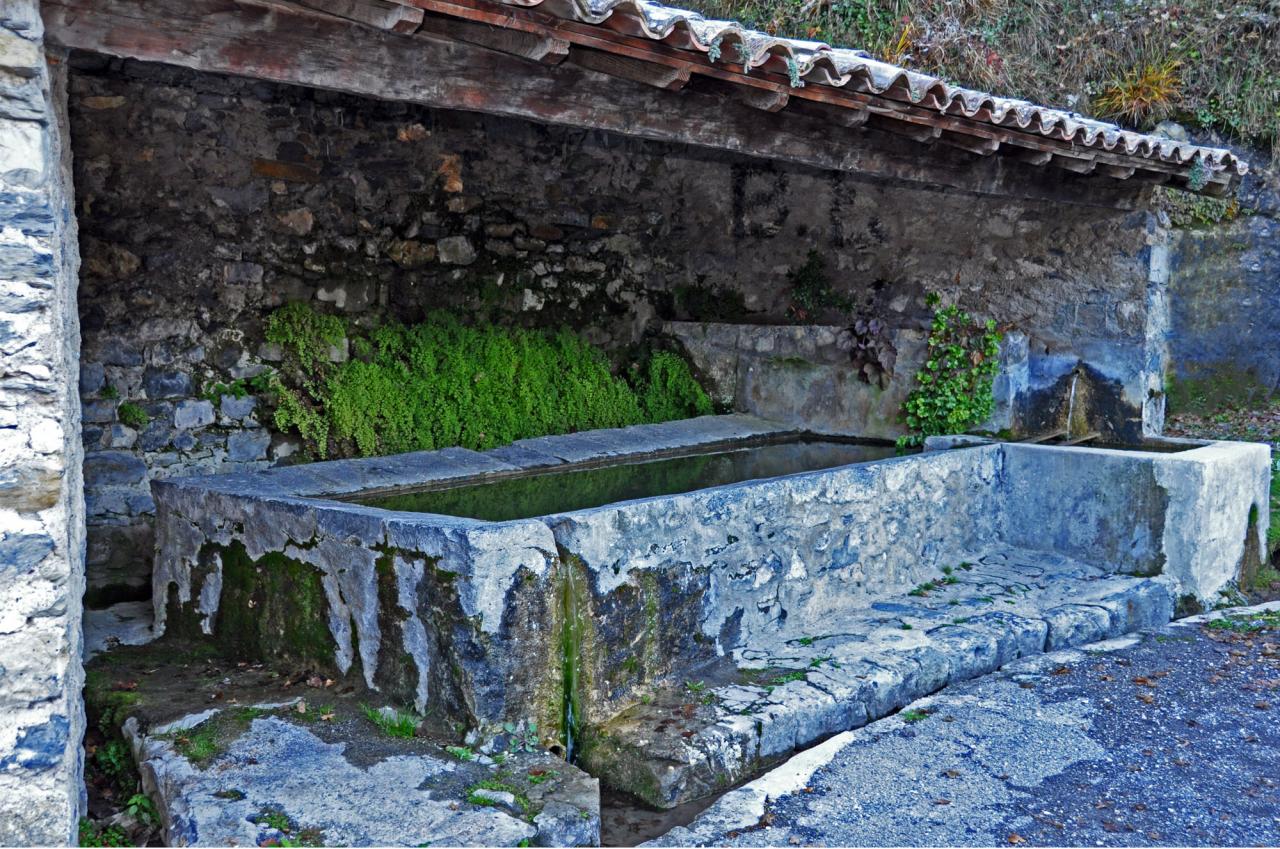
(204, 742)
(1189, 211)
(495, 786)
(304, 333)
(92, 835)
(953, 388)
(812, 292)
(393, 724)
(132, 415)
(140, 807)
(668, 390)
(240, 387)
(443, 383)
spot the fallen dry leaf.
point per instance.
(1016, 839)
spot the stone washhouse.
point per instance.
(173, 171)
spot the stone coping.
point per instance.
(336, 479)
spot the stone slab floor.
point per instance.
(820, 674)
(1165, 737)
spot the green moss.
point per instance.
(575, 619)
(132, 415)
(108, 702)
(210, 738)
(1210, 390)
(1273, 529)
(304, 334)
(273, 607)
(443, 383)
(495, 786)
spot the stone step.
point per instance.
(809, 680)
(283, 781)
(239, 754)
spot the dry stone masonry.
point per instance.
(41, 504)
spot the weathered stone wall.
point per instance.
(1225, 295)
(206, 202)
(41, 505)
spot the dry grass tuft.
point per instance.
(1146, 93)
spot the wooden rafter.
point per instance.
(509, 64)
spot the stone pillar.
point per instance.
(1156, 333)
(41, 492)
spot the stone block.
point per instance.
(237, 409)
(456, 250)
(20, 552)
(99, 411)
(119, 436)
(107, 468)
(193, 414)
(161, 383)
(92, 378)
(248, 445)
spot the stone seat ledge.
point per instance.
(901, 654)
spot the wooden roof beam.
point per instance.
(659, 76)
(973, 144)
(383, 14)
(526, 45)
(1071, 163)
(285, 42)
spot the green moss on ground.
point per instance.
(443, 383)
(206, 741)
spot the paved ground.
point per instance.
(1171, 737)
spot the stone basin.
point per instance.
(694, 602)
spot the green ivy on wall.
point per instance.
(444, 383)
(953, 388)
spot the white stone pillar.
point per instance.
(1156, 342)
(41, 494)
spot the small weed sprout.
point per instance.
(393, 723)
(462, 753)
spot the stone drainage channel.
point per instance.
(676, 638)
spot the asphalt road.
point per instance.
(1171, 737)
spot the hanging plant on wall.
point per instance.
(812, 293)
(444, 382)
(869, 342)
(953, 388)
